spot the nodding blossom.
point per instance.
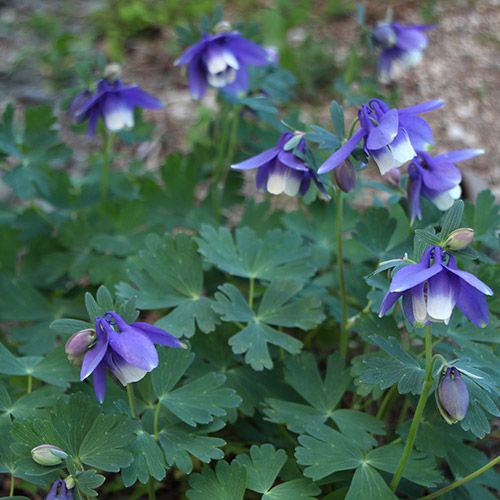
(114, 103)
(431, 289)
(436, 178)
(127, 351)
(281, 171)
(221, 61)
(391, 136)
(402, 47)
(59, 491)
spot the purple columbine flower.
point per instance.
(437, 179)
(221, 61)
(402, 47)
(452, 396)
(127, 351)
(433, 287)
(280, 171)
(114, 103)
(59, 491)
(391, 136)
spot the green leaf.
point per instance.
(168, 273)
(420, 468)
(486, 213)
(87, 482)
(104, 445)
(179, 441)
(298, 489)
(423, 240)
(197, 401)
(263, 466)
(228, 482)
(253, 340)
(452, 219)
(325, 451)
(337, 115)
(358, 426)
(399, 367)
(148, 461)
(376, 237)
(368, 484)
(302, 373)
(70, 326)
(278, 255)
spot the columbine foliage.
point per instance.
(276, 377)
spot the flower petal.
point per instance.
(389, 300)
(423, 107)
(135, 96)
(99, 380)
(342, 153)
(441, 296)
(123, 371)
(385, 132)
(158, 335)
(258, 160)
(459, 155)
(473, 304)
(118, 114)
(247, 52)
(197, 78)
(401, 148)
(415, 274)
(468, 277)
(95, 355)
(133, 346)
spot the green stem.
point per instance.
(251, 291)
(156, 420)
(12, 486)
(418, 412)
(30, 384)
(151, 489)
(340, 273)
(106, 164)
(386, 402)
(464, 480)
(131, 400)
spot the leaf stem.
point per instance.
(464, 480)
(418, 412)
(151, 489)
(386, 402)
(12, 486)
(251, 290)
(30, 384)
(108, 138)
(341, 279)
(156, 418)
(131, 400)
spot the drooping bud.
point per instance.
(383, 35)
(48, 454)
(112, 71)
(345, 176)
(452, 396)
(222, 27)
(459, 239)
(79, 343)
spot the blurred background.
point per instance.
(51, 48)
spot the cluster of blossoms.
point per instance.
(127, 351)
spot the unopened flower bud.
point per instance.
(452, 396)
(459, 239)
(222, 27)
(79, 343)
(112, 71)
(48, 454)
(345, 176)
